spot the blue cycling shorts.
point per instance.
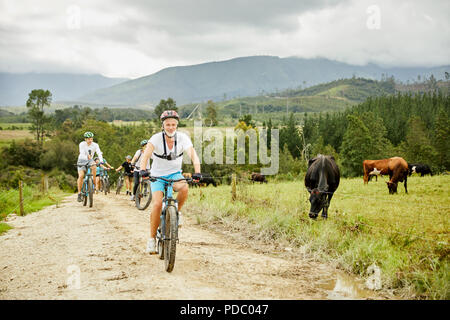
(158, 185)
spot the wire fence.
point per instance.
(23, 198)
(364, 199)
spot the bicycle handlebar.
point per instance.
(152, 178)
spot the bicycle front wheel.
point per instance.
(171, 234)
(106, 188)
(91, 192)
(143, 195)
(119, 185)
(83, 193)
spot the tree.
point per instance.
(163, 105)
(442, 140)
(380, 145)
(211, 114)
(417, 145)
(247, 119)
(356, 146)
(290, 135)
(37, 100)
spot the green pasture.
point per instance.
(405, 235)
(15, 126)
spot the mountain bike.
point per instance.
(120, 183)
(143, 195)
(87, 189)
(104, 177)
(167, 232)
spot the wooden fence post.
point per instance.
(21, 198)
(44, 184)
(233, 187)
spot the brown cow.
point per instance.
(374, 168)
(396, 168)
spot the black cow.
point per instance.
(207, 179)
(423, 169)
(258, 177)
(321, 181)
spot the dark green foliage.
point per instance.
(356, 146)
(26, 153)
(163, 105)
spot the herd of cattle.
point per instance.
(322, 178)
(323, 175)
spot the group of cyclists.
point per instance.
(165, 148)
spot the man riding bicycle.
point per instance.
(87, 150)
(128, 168)
(166, 148)
(137, 165)
(101, 171)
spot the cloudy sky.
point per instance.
(135, 38)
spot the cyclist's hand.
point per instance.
(143, 173)
(197, 177)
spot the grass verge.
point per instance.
(405, 235)
(33, 201)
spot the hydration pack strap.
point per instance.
(165, 156)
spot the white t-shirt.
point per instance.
(138, 156)
(163, 167)
(84, 151)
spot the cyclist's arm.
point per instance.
(119, 168)
(133, 161)
(146, 156)
(195, 160)
(99, 153)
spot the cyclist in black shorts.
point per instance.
(128, 176)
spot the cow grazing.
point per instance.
(373, 168)
(375, 173)
(257, 177)
(395, 167)
(321, 181)
(423, 169)
(206, 178)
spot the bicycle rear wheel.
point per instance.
(143, 195)
(91, 192)
(171, 233)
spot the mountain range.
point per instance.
(218, 81)
(15, 87)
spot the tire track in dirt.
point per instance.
(106, 245)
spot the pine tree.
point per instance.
(356, 146)
(442, 140)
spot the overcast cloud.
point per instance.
(137, 38)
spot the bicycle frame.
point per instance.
(85, 181)
(167, 201)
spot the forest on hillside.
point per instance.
(415, 126)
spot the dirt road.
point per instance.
(76, 252)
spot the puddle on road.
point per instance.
(346, 287)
